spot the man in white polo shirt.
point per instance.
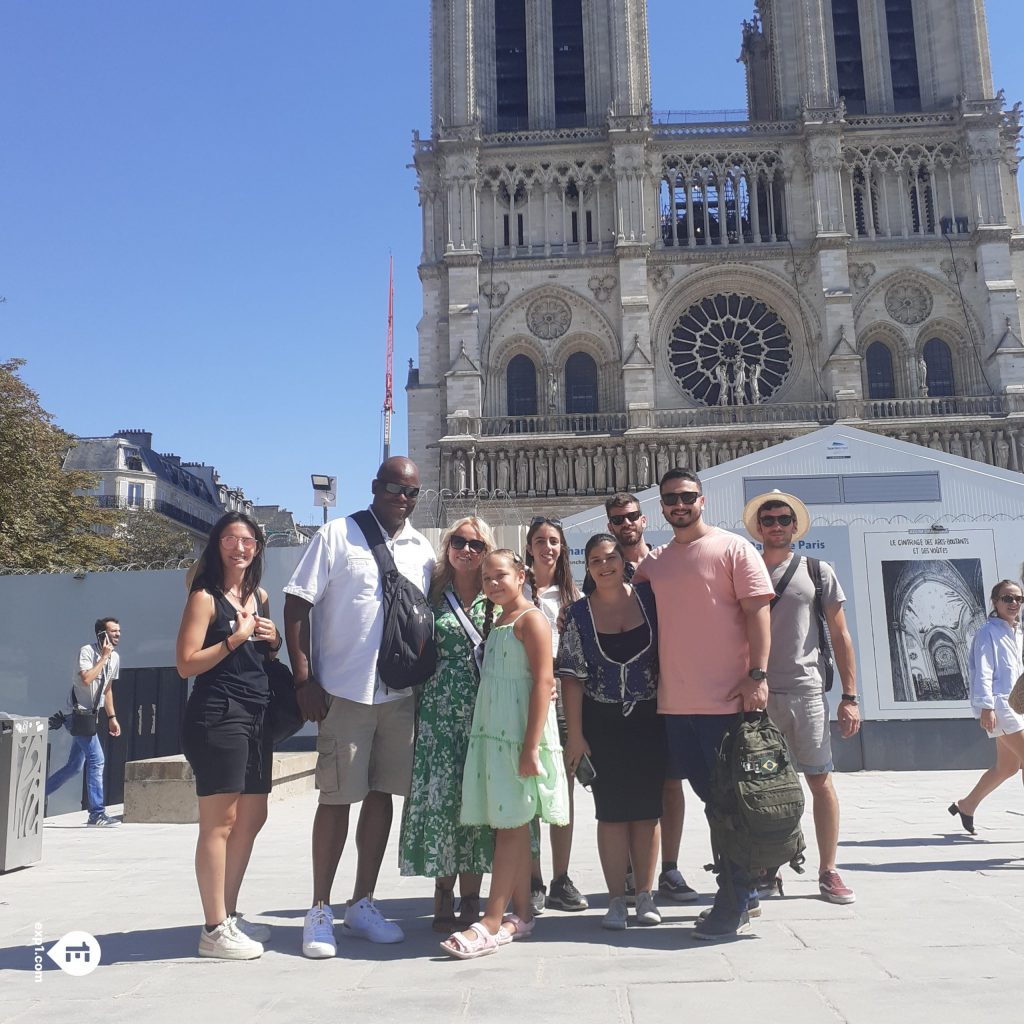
(334, 623)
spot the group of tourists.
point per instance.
(628, 686)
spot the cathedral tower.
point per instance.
(607, 293)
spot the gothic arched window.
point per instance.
(580, 383)
(880, 379)
(939, 361)
(521, 383)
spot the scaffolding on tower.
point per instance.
(389, 406)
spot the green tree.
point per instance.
(44, 523)
(145, 537)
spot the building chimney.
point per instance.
(139, 438)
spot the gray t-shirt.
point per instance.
(794, 664)
(88, 656)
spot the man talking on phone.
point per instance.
(98, 667)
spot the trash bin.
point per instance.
(22, 790)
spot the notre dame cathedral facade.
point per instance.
(607, 293)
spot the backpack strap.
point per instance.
(824, 640)
(780, 587)
(367, 522)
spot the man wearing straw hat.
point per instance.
(798, 665)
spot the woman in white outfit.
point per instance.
(996, 664)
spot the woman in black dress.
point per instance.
(225, 637)
(608, 664)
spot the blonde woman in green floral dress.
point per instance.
(433, 843)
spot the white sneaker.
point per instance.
(257, 932)
(318, 933)
(646, 911)
(364, 920)
(617, 917)
(226, 942)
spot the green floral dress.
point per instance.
(433, 843)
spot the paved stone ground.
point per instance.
(937, 933)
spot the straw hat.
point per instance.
(803, 518)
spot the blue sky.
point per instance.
(199, 201)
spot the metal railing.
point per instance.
(165, 508)
(820, 412)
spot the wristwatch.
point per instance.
(850, 698)
(758, 674)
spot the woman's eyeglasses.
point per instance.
(478, 547)
(632, 517)
(680, 497)
(403, 489)
(783, 520)
(540, 520)
(247, 543)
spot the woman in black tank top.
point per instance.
(226, 635)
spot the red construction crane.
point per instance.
(389, 405)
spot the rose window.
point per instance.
(730, 349)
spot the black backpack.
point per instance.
(756, 799)
(407, 656)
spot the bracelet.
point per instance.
(850, 698)
(111, 716)
(231, 649)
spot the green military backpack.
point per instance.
(756, 799)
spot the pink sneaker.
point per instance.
(833, 889)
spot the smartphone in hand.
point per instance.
(586, 773)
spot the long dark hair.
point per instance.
(209, 569)
(567, 592)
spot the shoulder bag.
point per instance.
(408, 655)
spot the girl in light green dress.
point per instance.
(514, 769)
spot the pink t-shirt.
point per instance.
(702, 632)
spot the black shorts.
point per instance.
(224, 743)
(628, 754)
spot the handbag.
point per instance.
(85, 721)
(1016, 698)
(282, 718)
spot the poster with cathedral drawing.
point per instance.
(928, 598)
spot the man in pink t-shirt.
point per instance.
(714, 631)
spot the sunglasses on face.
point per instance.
(618, 520)
(1011, 598)
(680, 497)
(540, 520)
(403, 489)
(783, 520)
(478, 547)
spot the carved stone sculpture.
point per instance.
(561, 471)
(522, 473)
(459, 472)
(621, 466)
(503, 472)
(600, 471)
(643, 468)
(581, 470)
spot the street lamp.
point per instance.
(325, 491)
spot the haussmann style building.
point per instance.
(608, 291)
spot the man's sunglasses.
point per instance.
(541, 520)
(478, 547)
(680, 497)
(403, 489)
(784, 520)
(618, 520)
